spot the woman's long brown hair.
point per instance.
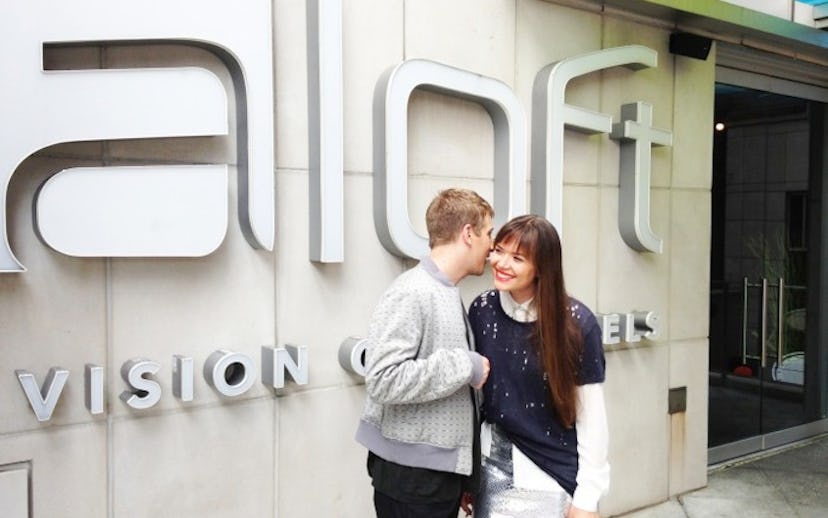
(557, 337)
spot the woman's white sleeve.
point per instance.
(593, 438)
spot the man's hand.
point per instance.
(467, 502)
(486, 369)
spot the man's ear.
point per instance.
(466, 233)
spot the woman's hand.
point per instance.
(575, 512)
(466, 502)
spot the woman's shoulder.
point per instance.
(593, 365)
(585, 318)
(486, 302)
(582, 314)
(484, 299)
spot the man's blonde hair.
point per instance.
(451, 210)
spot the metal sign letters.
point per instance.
(181, 210)
(229, 373)
(185, 101)
(78, 105)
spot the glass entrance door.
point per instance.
(759, 277)
(757, 387)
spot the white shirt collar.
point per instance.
(523, 312)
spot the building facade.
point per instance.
(205, 200)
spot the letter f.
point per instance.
(551, 114)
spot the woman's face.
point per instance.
(513, 271)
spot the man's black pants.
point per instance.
(387, 507)
(408, 492)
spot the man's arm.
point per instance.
(397, 374)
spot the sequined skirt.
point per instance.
(499, 498)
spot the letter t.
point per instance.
(637, 137)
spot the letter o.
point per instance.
(231, 374)
(352, 355)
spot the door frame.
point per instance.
(739, 66)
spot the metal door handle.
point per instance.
(780, 316)
(744, 318)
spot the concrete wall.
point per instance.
(292, 454)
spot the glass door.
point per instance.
(759, 277)
(757, 387)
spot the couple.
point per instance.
(535, 352)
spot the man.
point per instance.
(419, 423)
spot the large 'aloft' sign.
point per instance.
(181, 210)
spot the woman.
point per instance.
(544, 437)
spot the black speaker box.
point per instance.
(690, 45)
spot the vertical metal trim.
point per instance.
(764, 319)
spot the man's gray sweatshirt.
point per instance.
(419, 409)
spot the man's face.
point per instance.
(481, 245)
